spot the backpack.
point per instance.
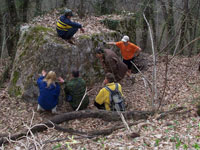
(116, 99)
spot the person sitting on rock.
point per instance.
(75, 92)
(128, 51)
(102, 100)
(66, 28)
(49, 92)
(111, 63)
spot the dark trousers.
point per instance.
(128, 63)
(67, 34)
(99, 106)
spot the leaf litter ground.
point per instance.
(176, 131)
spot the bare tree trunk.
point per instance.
(25, 10)
(1, 26)
(144, 38)
(192, 25)
(12, 29)
(81, 12)
(170, 24)
(38, 7)
(107, 7)
(149, 13)
(183, 26)
(4, 38)
(168, 15)
(65, 3)
(152, 19)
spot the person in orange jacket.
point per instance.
(128, 51)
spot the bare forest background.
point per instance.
(165, 28)
(174, 23)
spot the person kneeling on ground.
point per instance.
(66, 28)
(75, 92)
(49, 92)
(105, 98)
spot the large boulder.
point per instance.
(40, 48)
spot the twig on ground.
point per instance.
(82, 99)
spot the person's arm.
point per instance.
(57, 91)
(100, 97)
(138, 51)
(73, 24)
(111, 43)
(40, 79)
(61, 80)
(120, 88)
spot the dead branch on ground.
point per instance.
(102, 114)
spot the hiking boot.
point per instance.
(40, 109)
(132, 78)
(71, 41)
(53, 111)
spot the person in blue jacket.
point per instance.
(49, 92)
(66, 28)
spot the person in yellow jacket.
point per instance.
(102, 100)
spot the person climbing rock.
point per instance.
(111, 63)
(49, 92)
(66, 28)
(128, 51)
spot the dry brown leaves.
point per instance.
(179, 131)
(91, 24)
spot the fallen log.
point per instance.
(102, 114)
(164, 114)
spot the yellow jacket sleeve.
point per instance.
(100, 98)
(103, 98)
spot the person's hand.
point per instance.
(138, 52)
(44, 73)
(61, 80)
(82, 30)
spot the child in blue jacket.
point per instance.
(49, 92)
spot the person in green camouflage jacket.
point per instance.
(75, 90)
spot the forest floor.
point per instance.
(176, 131)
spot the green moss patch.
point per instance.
(111, 24)
(15, 77)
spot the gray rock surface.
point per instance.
(40, 48)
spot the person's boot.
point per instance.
(132, 78)
(71, 41)
(54, 111)
(40, 109)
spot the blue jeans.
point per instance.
(67, 34)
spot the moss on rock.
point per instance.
(126, 25)
(40, 49)
(15, 77)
